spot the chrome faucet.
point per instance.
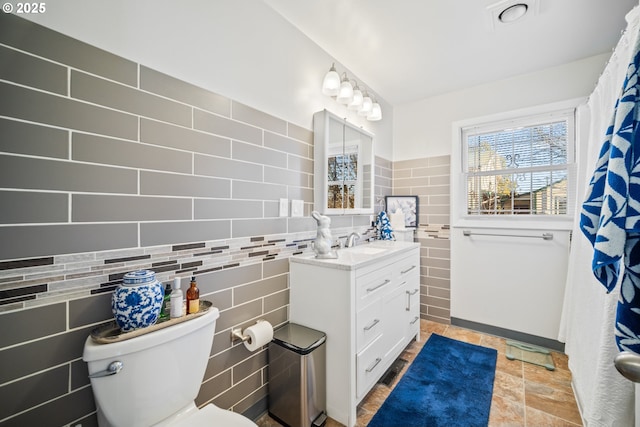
(351, 240)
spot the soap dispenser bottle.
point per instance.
(193, 297)
(176, 299)
(166, 304)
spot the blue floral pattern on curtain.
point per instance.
(610, 216)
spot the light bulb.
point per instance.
(376, 113)
(356, 102)
(366, 107)
(331, 82)
(345, 95)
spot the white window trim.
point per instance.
(459, 216)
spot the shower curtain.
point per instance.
(587, 326)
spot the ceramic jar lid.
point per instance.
(138, 277)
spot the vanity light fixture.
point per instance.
(367, 105)
(513, 13)
(331, 82)
(356, 102)
(376, 112)
(345, 94)
(350, 95)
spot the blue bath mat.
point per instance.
(450, 383)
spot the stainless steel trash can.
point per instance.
(297, 376)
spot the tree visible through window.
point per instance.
(342, 176)
(521, 170)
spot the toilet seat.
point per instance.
(212, 416)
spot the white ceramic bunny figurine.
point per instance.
(323, 242)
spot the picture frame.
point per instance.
(409, 205)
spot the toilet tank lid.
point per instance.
(94, 351)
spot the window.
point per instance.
(520, 167)
(342, 178)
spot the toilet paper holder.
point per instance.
(237, 334)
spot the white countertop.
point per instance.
(358, 256)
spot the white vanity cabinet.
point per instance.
(368, 303)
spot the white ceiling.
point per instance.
(408, 50)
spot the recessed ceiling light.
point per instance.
(513, 13)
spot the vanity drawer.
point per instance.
(370, 365)
(372, 285)
(407, 269)
(369, 324)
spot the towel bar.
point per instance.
(545, 236)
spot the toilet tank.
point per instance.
(161, 374)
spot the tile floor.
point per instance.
(523, 394)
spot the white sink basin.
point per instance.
(366, 250)
(358, 256)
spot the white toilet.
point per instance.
(157, 378)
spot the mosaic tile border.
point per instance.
(39, 281)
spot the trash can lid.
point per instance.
(298, 338)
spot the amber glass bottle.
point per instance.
(193, 297)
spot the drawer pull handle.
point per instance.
(408, 269)
(379, 286)
(409, 295)
(371, 368)
(414, 320)
(374, 323)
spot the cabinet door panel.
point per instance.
(394, 322)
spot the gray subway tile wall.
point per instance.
(111, 151)
(383, 182)
(16, 207)
(37, 240)
(183, 185)
(428, 178)
(227, 168)
(120, 180)
(17, 397)
(54, 314)
(170, 87)
(104, 208)
(189, 140)
(61, 175)
(40, 107)
(21, 34)
(31, 71)
(257, 118)
(113, 174)
(222, 126)
(27, 138)
(252, 153)
(129, 99)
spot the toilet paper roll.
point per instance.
(259, 334)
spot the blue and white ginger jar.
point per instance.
(136, 303)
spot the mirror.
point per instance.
(343, 166)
